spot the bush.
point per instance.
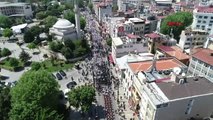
(5, 52)
(13, 62)
(35, 66)
(55, 46)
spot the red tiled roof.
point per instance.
(204, 55)
(165, 48)
(174, 51)
(164, 64)
(205, 9)
(152, 35)
(131, 36)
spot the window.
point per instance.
(211, 17)
(205, 17)
(199, 21)
(204, 21)
(200, 16)
(210, 24)
(198, 26)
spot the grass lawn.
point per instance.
(58, 65)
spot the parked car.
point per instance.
(62, 73)
(71, 85)
(59, 77)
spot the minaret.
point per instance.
(77, 19)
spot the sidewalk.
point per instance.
(122, 107)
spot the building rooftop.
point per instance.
(152, 35)
(205, 9)
(136, 20)
(174, 51)
(131, 36)
(205, 55)
(161, 64)
(117, 41)
(191, 87)
(122, 61)
(5, 4)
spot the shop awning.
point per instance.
(110, 58)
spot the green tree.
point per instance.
(5, 52)
(69, 43)
(55, 46)
(82, 97)
(70, 15)
(13, 62)
(35, 66)
(79, 51)
(5, 104)
(31, 45)
(90, 6)
(24, 56)
(46, 114)
(185, 18)
(35, 92)
(67, 52)
(5, 22)
(7, 32)
(41, 15)
(50, 21)
(29, 37)
(82, 23)
(114, 7)
(35, 30)
(109, 42)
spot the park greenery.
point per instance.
(7, 32)
(5, 104)
(51, 65)
(24, 57)
(5, 22)
(82, 97)
(70, 49)
(185, 18)
(5, 52)
(32, 99)
(11, 64)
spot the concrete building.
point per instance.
(163, 4)
(209, 42)
(103, 10)
(134, 68)
(123, 5)
(64, 29)
(178, 98)
(128, 44)
(192, 38)
(201, 63)
(205, 2)
(16, 9)
(203, 18)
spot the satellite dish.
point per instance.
(177, 70)
(183, 74)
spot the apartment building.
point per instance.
(178, 98)
(163, 4)
(123, 4)
(103, 10)
(128, 44)
(135, 26)
(190, 38)
(133, 68)
(203, 18)
(16, 9)
(201, 63)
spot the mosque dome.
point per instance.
(63, 23)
